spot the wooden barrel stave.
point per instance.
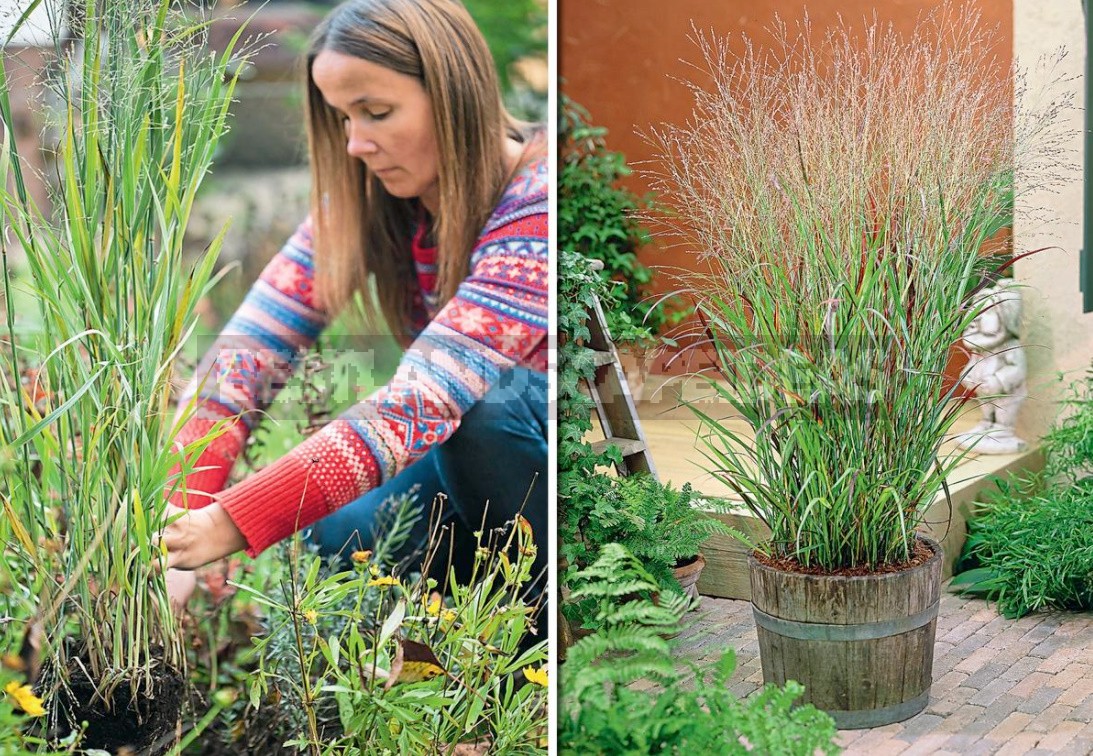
(865, 651)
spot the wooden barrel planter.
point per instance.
(863, 647)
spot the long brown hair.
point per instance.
(361, 230)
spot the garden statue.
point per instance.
(997, 371)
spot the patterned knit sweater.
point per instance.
(496, 320)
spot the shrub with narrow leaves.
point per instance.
(1030, 545)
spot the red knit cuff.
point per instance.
(326, 472)
(274, 503)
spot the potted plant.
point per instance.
(838, 199)
(94, 321)
(660, 525)
(581, 482)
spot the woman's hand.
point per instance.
(199, 536)
(180, 586)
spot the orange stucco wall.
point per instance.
(622, 59)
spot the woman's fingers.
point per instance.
(176, 536)
(194, 537)
(180, 586)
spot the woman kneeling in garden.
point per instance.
(421, 180)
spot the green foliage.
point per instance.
(514, 30)
(662, 526)
(602, 713)
(1034, 549)
(1068, 446)
(23, 702)
(249, 659)
(1030, 546)
(15, 605)
(657, 523)
(579, 482)
(13, 741)
(334, 648)
(299, 687)
(630, 642)
(85, 386)
(838, 241)
(596, 218)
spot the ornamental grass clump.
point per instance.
(838, 192)
(95, 317)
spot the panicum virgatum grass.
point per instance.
(107, 302)
(838, 191)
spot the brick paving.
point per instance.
(1000, 686)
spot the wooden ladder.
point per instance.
(618, 418)
(614, 405)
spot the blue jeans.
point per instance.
(494, 455)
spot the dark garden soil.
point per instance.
(920, 554)
(263, 730)
(143, 724)
(257, 732)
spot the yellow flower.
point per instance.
(311, 616)
(25, 699)
(436, 609)
(361, 557)
(383, 582)
(536, 676)
(394, 727)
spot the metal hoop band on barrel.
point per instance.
(827, 632)
(859, 720)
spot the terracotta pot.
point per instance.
(687, 575)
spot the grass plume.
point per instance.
(839, 191)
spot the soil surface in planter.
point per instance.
(145, 724)
(920, 554)
(680, 564)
